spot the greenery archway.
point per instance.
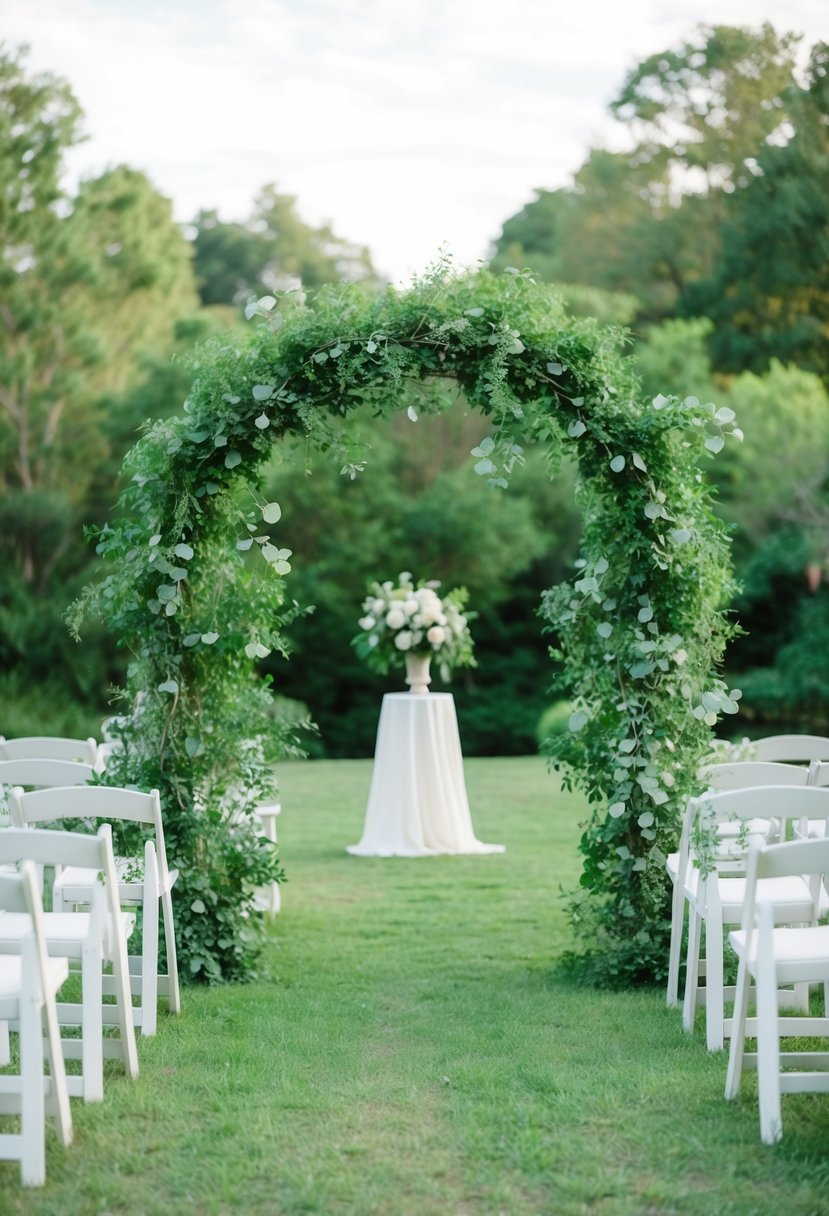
(196, 566)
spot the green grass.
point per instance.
(413, 1052)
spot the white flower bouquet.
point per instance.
(408, 619)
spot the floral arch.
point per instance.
(194, 581)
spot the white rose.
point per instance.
(410, 607)
(376, 607)
(403, 639)
(366, 622)
(427, 617)
(436, 635)
(395, 618)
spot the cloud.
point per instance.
(406, 124)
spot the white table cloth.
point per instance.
(417, 803)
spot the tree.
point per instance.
(273, 250)
(646, 221)
(88, 285)
(704, 111)
(769, 293)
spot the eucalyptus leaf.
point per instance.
(271, 512)
(210, 638)
(576, 429)
(715, 443)
(262, 422)
(232, 460)
(169, 686)
(185, 552)
(617, 464)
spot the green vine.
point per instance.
(196, 566)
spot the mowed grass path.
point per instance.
(413, 1052)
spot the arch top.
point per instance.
(639, 631)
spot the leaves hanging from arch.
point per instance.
(195, 570)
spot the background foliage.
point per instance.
(704, 234)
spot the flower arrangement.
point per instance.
(409, 619)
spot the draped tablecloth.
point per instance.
(417, 803)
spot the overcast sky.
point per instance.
(408, 124)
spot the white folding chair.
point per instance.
(268, 899)
(811, 828)
(800, 749)
(729, 776)
(714, 886)
(29, 983)
(145, 882)
(774, 955)
(48, 747)
(39, 772)
(89, 940)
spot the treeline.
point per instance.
(708, 237)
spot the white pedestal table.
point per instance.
(417, 803)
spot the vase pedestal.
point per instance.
(417, 673)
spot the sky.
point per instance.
(410, 126)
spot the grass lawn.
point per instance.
(411, 1051)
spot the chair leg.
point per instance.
(149, 967)
(768, 1051)
(677, 924)
(92, 1048)
(32, 1102)
(123, 1000)
(738, 1033)
(59, 1096)
(714, 997)
(174, 995)
(691, 972)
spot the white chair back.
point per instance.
(798, 748)
(48, 747)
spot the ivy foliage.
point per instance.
(195, 569)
